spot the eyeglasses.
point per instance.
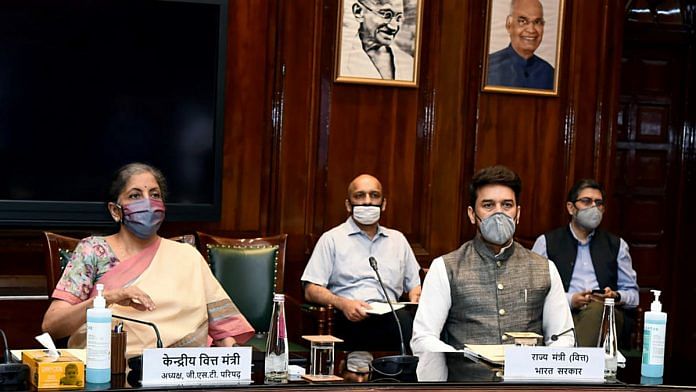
(586, 202)
(387, 15)
(524, 22)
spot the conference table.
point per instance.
(628, 379)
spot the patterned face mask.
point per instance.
(143, 217)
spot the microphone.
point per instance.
(136, 363)
(159, 340)
(555, 337)
(401, 367)
(373, 264)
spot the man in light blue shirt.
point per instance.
(593, 263)
(339, 272)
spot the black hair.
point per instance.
(582, 184)
(495, 175)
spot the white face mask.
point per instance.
(367, 215)
(589, 218)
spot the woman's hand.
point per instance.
(225, 342)
(130, 296)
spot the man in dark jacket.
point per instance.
(594, 264)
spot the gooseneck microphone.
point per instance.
(395, 367)
(159, 340)
(555, 337)
(373, 264)
(136, 363)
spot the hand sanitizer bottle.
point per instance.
(99, 340)
(655, 321)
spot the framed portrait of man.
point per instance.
(378, 42)
(523, 46)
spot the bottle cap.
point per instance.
(278, 297)
(99, 301)
(656, 305)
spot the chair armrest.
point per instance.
(293, 317)
(318, 319)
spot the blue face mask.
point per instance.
(143, 217)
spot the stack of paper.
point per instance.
(491, 353)
(383, 307)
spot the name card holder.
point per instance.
(551, 364)
(197, 366)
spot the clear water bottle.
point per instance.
(607, 340)
(277, 353)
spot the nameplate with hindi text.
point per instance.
(197, 366)
(562, 364)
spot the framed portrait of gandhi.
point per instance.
(523, 46)
(378, 42)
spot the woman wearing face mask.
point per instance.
(145, 277)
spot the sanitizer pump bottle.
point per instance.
(99, 340)
(654, 339)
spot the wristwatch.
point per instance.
(618, 297)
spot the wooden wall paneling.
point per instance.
(451, 80)
(249, 91)
(593, 84)
(318, 214)
(682, 280)
(22, 273)
(21, 321)
(298, 141)
(553, 141)
(419, 238)
(655, 183)
(365, 129)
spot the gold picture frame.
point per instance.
(395, 26)
(521, 45)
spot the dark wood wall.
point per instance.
(294, 138)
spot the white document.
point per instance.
(383, 307)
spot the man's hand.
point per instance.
(581, 299)
(609, 293)
(414, 295)
(354, 310)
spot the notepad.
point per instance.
(383, 307)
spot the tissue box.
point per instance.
(66, 372)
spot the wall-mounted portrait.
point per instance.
(378, 42)
(523, 46)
